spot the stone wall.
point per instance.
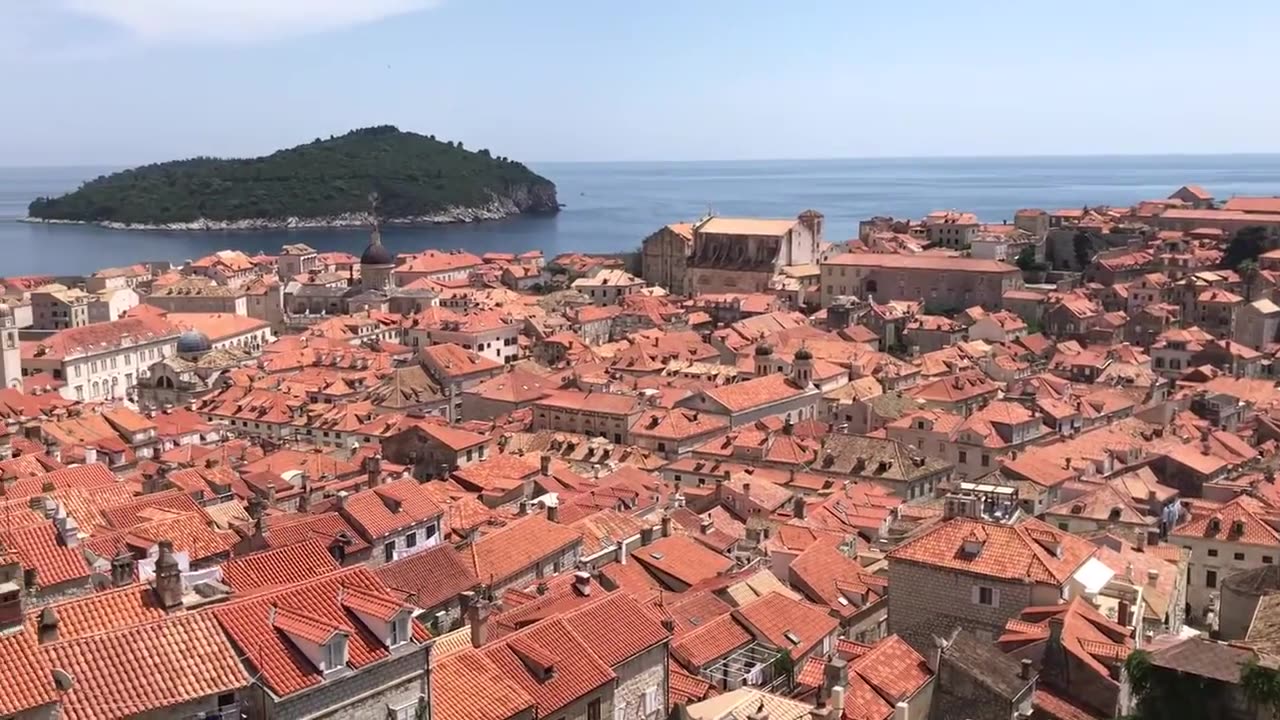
(364, 694)
(637, 675)
(924, 602)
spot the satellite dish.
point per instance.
(62, 679)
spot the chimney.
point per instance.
(621, 549)
(52, 450)
(553, 512)
(705, 525)
(901, 711)
(799, 507)
(648, 534)
(255, 507)
(478, 618)
(546, 464)
(1024, 671)
(666, 525)
(10, 606)
(837, 702)
(121, 569)
(669, 624)
(168, 581)
(833, 675)
(1153, 575)
(523, 507)
(373, 467)
(582, 583)
(90, 455)
(47, 630)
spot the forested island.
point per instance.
(324, 183)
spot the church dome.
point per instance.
(376, 254)
(191, 342)
(764, 349)
(804, 354)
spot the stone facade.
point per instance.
(369, 693)
(957, 696)
(925, 602)
(564, 561)
(642, 679)
(1213, 561)
(664, 256)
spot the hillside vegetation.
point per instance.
(414, 175)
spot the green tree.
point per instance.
(1262, 687)
(1082, 249)
(1027, 261)
(414, 174)
(1249, 275)
(1247, 244)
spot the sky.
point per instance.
(119, 82)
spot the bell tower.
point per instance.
(10, 351)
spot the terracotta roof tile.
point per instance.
(329, 527)
(573, 669)
(286, 565)
(504, 553)
(467, 686)
(683, 558)
(102, 612)
(316, 603)
(28, 676)
(705, 644)
(776, 616)
(616, 628)
(1017, 552)
(431, 577)
(895, 670)
(380, 511)
(146, 668)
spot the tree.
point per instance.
(1082, 249)
(1248, 271)
(1027, 261)
(1247, 244)
(1262, 686)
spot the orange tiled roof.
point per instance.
(683, 558)
(28, 676)
(265, 648)
(280, 566)
(102, 612)
(616, 628)
(755, 393)
(146, 668)
(775, 616)
(709, 642)
(500, 555)
(1021, 552)
(467, 686)
(431, 577)
(550, 663)
(380, 511)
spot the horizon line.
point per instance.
(1029, 156)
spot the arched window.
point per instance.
(871, 287)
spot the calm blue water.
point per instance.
(612, 206)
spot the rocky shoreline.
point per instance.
(497, 210)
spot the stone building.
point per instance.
(732, 255)
(664, 257)
(943, 283)
(978, 575)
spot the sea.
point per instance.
(611, 207)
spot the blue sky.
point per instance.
(129, 81)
